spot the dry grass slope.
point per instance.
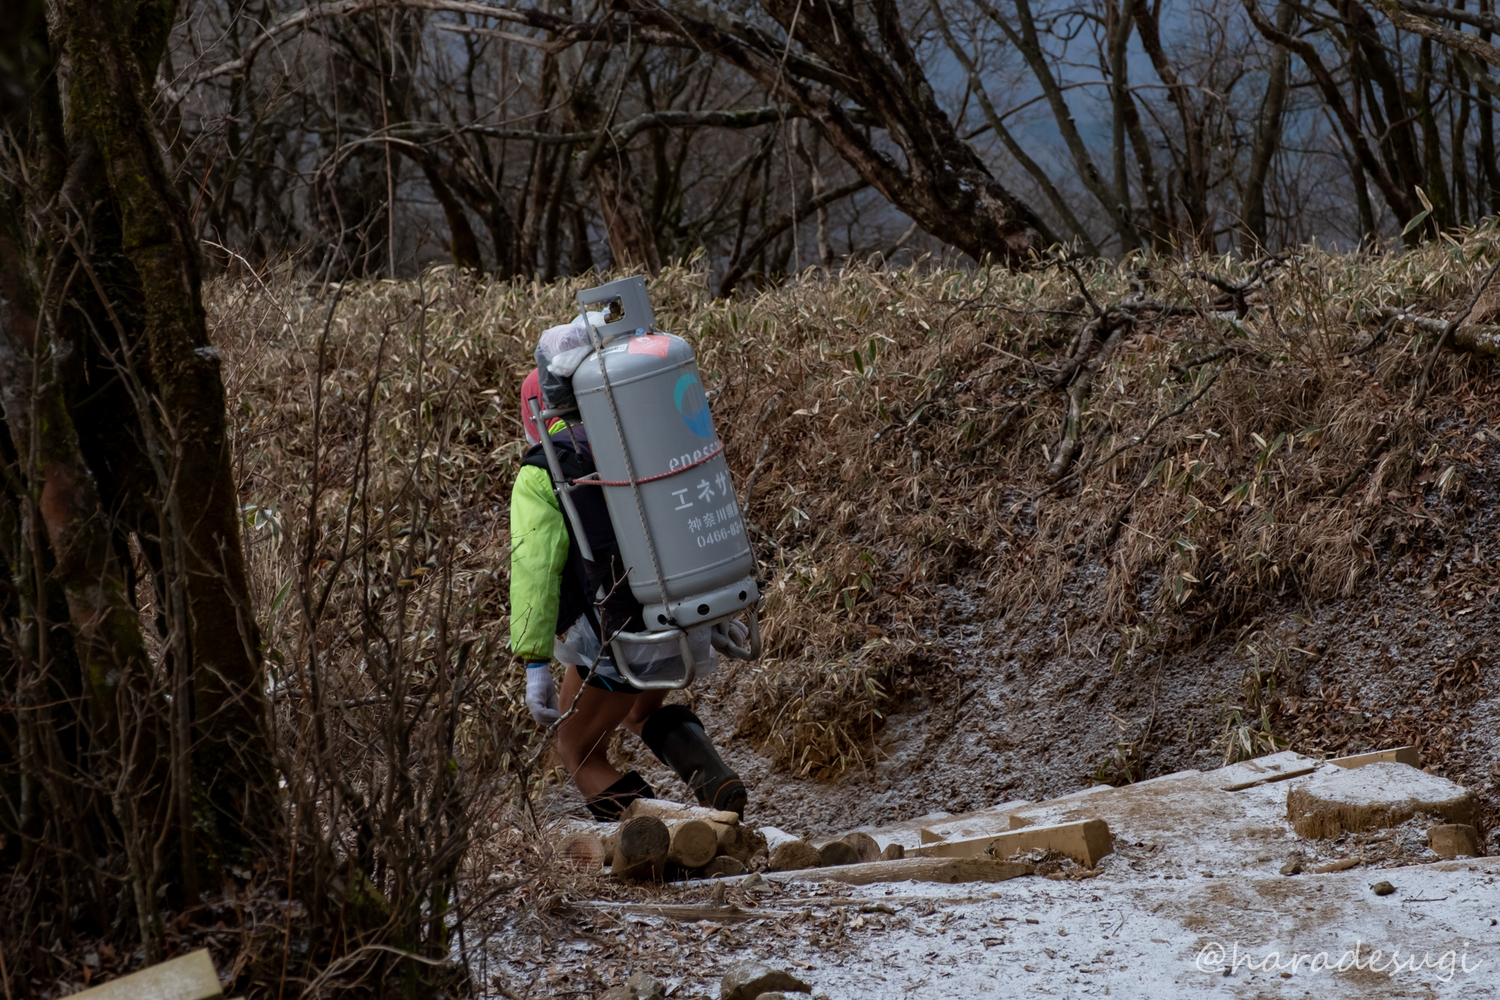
(900, 432)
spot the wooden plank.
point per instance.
(1085, 842)
(187, 977)
(945, 870)
(664, 810)
(1396, 755)
(682, 912)
(1264, 770)
(1069, 801)
(945, 826)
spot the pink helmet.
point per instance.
(531, 389)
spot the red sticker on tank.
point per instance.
(650, 344)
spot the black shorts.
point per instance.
(604, 683)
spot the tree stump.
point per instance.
(1335, 800)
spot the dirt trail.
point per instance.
(1037, 704)
(1029, 710)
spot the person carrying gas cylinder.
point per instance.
(553, 617)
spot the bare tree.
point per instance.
(117, 441)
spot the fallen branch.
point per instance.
(1067, 448)
(1224, 352)
(1419, 395)
(1237, 290)
(1176, 411)
(1005, 425)
(1448, 331)
(945, 870)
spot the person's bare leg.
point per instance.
(645, 703)
(583, 739)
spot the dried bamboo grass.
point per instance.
(911, 420)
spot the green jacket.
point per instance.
(538, 553)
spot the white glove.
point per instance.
(541, 694)
(725, 633)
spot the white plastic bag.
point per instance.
(559, 352)
(580, 647)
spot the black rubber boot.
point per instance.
(610, 803)
(677, 738)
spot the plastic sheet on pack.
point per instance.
(559, 352)
(580, 646)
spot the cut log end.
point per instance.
(794, 855)
(583, 849)
(837, 852)
(693, 843)
(864, 846)
(641, 848)
(723, 866)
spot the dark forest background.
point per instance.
(366, 137)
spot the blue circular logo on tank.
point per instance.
(693, 406)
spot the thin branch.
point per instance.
(741, 264)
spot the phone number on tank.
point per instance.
(719, 535)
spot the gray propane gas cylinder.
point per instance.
(691, 510)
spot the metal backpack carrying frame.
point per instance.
(631, 294)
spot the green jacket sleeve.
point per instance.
(538, 553)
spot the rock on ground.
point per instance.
(749, 980)
(641, 986)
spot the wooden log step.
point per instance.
(865, 846)
(693, 842)
(944, 870)
(1085, 842)
(1396, 755)
(723, 866)
(733, 839)
(794, 855)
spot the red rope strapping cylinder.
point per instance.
(716, 449)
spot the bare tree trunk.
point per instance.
(1489, 170)
(1027, 42)
(1054, 197)
(1117, 29)
(1458, 129)
(462, 243)
(1267, 141)
(607, 166)
(1195, 131)
(1435, 171)
(110, 72)
(631, 242)
(1158, 211)
(107, 631)
(1394, 194)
